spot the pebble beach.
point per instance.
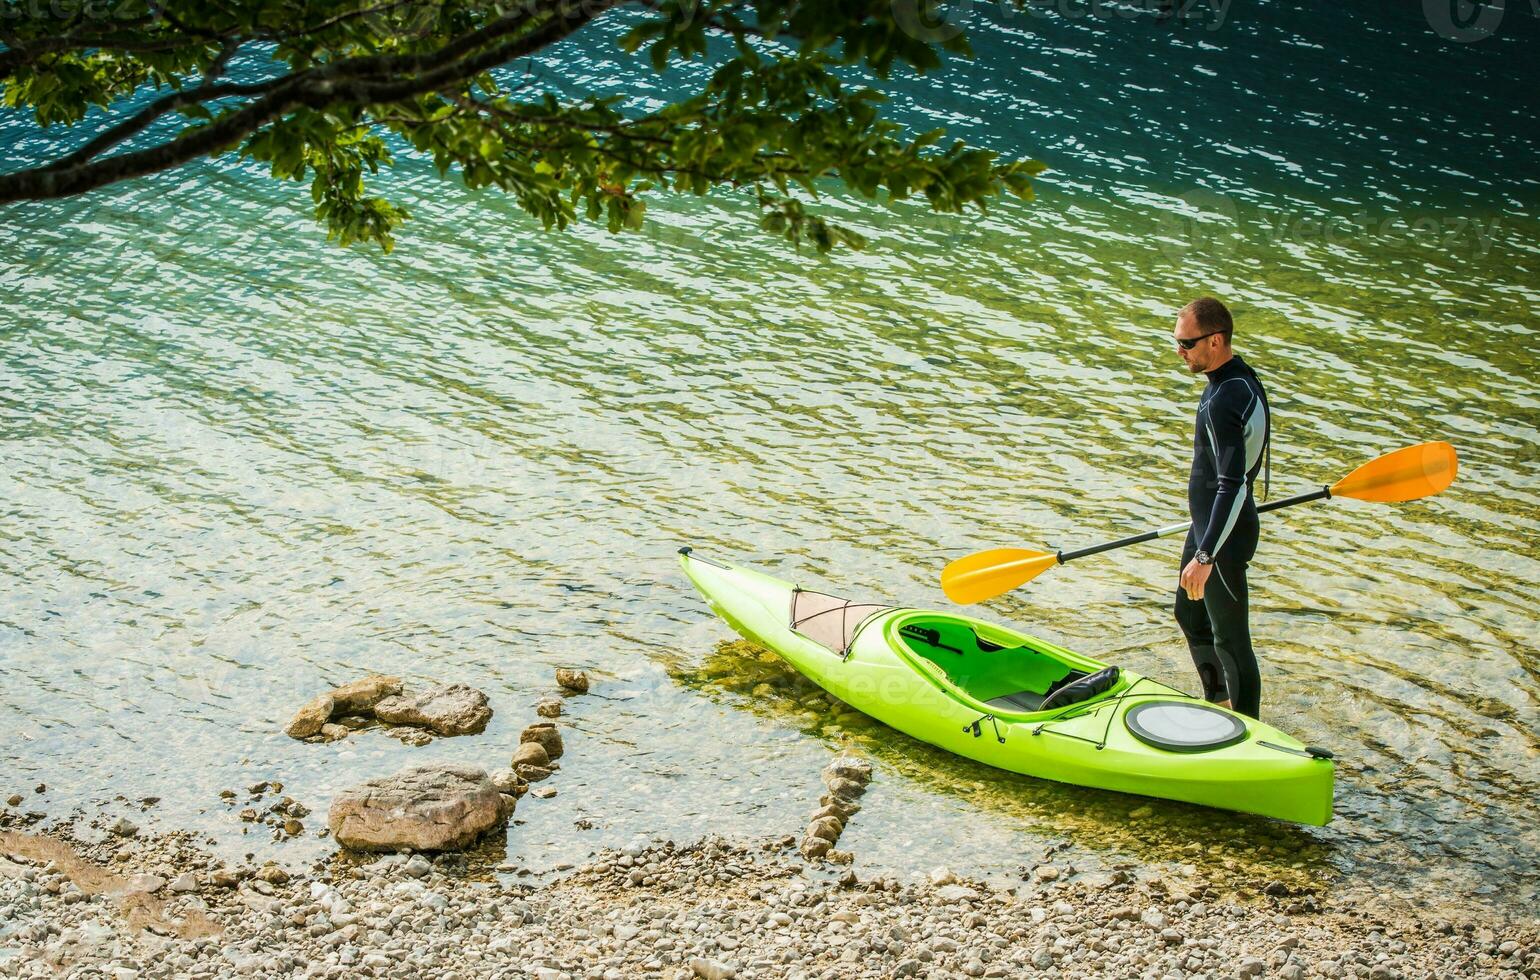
(132, 905)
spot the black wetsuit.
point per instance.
(1233, 426)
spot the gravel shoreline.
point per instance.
(161, 906)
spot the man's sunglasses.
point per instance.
(1188, 343)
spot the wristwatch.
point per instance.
(1204, 558)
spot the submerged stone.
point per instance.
(450, 709)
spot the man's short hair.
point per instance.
(1211, 316)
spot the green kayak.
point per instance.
(1015, 702)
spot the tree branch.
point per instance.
(355, 79)
(137, 123)
(621, 133)
(24, 53)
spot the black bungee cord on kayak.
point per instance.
(976, 728)
(1042, 726)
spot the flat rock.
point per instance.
(307, 721)
(450, 709)
(359, 697)
(425, 808)
(147, 883)
(549, 708)
(956, 893)
(546, 734)
(843, 807)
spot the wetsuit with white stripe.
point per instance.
(1233, 426)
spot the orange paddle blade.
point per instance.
(1406, 474)
(986, 574)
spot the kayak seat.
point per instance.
(1020, 701)
(1083, 689)
(1032, 700)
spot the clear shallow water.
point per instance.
(242, 465)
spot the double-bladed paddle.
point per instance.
(1406, 474)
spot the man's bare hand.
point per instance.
(1194, 578)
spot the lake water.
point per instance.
(241, 465)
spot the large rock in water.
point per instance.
(453, 709)
(426, 808)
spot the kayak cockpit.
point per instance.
(995, 668)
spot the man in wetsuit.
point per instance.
(1233, 426)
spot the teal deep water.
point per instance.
(241, 464)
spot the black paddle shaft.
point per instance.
(1298, 498)
(1096, 549)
